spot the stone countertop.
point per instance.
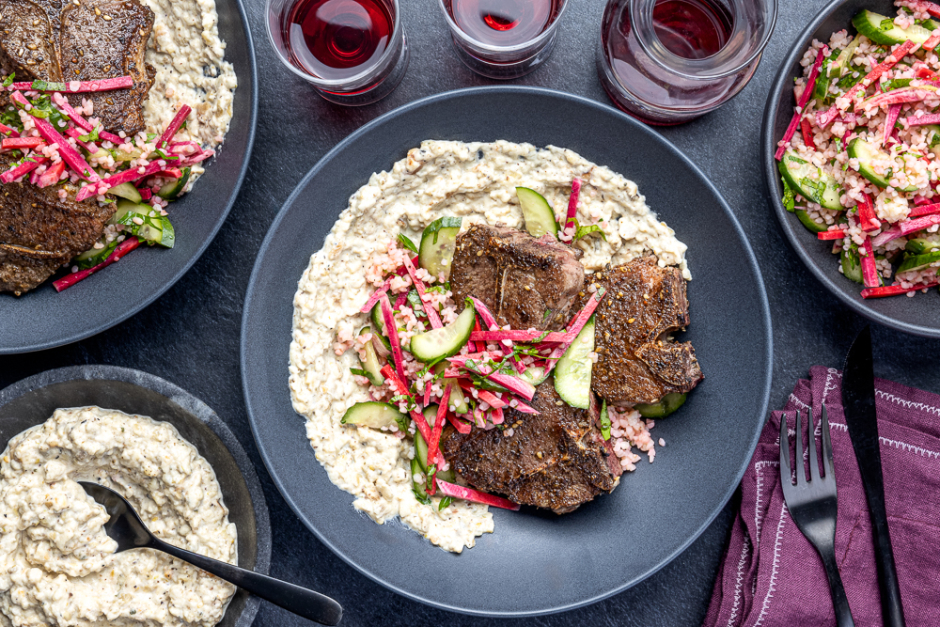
(190, 336)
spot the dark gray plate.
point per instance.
(535, 562)
(919, 315)
(32, 401)
(44, 319)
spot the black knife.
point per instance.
(858, 401)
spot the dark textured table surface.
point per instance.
(191, 335)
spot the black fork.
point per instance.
(813, 504)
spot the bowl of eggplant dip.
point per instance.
(489, 325)
(110, 110)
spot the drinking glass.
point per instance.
(503, 38)
(669, 61)
(353, 52)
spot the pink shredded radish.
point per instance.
(51, 176)
(71, 157)
(24, 168)
(459, 425)
(427, 393)
(439, 420)
(174, 126)
(894, 290)
(9, 143)
(886, 236)
(392, 332)
(573, 203)
(585, 314)
(75, 87)
(127, 176)
(74, 133)
(890, 120)
(918, 224)
(930, 118)
(866, 214)
(492, 399)
(433, 317)
(825, 118)
(900, 96)
(924, 210)
(475, 496)
(804, 98)
(484, 312)
(514, 384)
(11, 132)
(522, 408)
(519, 336)
(122, 249)
(62, 104)
(869, 269)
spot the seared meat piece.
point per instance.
(556, 459)
(39, 232)
(57, 40)
(107, 39)
(636, 363)
(526, 282)
(27, 40)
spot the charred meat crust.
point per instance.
(526, 282)
(637, 363)
(556, 460)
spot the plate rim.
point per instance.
(431, 100)
(771, 178)
(203, 412)
(187, 266)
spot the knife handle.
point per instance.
(891, 608)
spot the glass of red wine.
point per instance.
(669, 61)
(503, 38)
(353, 51)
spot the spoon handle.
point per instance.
(300, 601)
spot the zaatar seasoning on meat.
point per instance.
(637, 362)
(556, 459)
(527, 282)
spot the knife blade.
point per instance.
(858, 401)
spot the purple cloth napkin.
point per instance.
(772, 576)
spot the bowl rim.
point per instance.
(772, 180)
(197, 408)
(88, 332)
(266, 454)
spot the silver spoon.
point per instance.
(126, 528)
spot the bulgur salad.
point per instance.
(382, 357)
(860, 160)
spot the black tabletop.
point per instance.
(191, 335)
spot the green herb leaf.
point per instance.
(605, 421)
(91, 136)
(360, 372)
(415, 301)
(584, 231)
(445, 502)
(447, 222)
(9, 79)
(407, 243)
(886, 24)
(789, 198)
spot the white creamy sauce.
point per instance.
(188, 55)
(57, 565)
(441, 178)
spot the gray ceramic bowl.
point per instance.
(44, 319)
(535, 562)
(32, 401)
(919, 315)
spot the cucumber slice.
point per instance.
(810, 182)
(457, 398)
(93, 256)
(371, 365)
(669, 403)
(573, 373)
(922, 245)
(126, 190)
(174, 189)
(918, 262)
(374, 414)
(839, 66)
(852, 265)
(882, 30)
(866, 154)
(538, 214)
(809, 223)
(933, 138)
(437, 245)
(153, 229)
(534, 375)
(440, 343)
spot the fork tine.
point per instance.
(826, 444)
(798, 462)
(811, 445)
(785, 476)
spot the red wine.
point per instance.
(337, 39)
(503, 22)
(692, 29)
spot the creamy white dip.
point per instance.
(188, 55)
(473, 181)
(57, 565)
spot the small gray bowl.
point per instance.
(32, 401)
(919, 315)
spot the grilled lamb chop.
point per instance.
(636, 363)
(556, 460)
(55, 40)
(39, 232)
(526, 282)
